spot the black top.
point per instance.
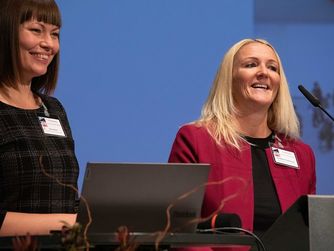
(266, 205)
(23, 146)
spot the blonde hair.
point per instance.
(219, 109)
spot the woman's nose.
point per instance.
(263, 71)
(47, 42)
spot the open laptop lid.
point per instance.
(137, 195)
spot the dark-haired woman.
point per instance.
(36, 146)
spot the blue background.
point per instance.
(133, 71)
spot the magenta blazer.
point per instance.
(193, 144)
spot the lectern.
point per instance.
(308, 225)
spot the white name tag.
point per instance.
(51, 126)
(284, 157)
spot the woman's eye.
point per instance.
(36, 30)
(55, 34)
(250, 65)
(273, 68)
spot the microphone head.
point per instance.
(313, 100)
(228, 220)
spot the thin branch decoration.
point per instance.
(123, 235)
(81, 197)
(125, 242)
(162, 234)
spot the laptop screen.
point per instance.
(137, 195)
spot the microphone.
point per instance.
(220, 220)
(313, 100)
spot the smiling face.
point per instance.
(256, 77)
(38, 43)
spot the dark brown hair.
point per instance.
(12, 14)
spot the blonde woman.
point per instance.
(248, 129)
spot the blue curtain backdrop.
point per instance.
(132, 72)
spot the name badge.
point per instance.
(51, 126)
(284, 157)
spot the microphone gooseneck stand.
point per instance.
(313, 100)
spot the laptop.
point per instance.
(137, 195)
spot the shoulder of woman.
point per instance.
(193, 128)
(194, 133)
(47, 98)
(52, 102)
(295, 143)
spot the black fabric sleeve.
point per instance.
(2, 217)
